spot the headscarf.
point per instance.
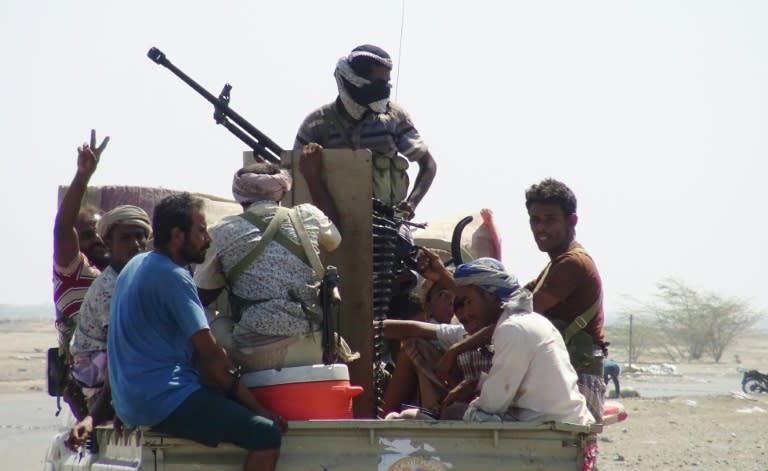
(248, 186)
(126, 214)
(490, 275)
(349, 81)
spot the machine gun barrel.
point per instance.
(248, 133)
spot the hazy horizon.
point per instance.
(653, 112)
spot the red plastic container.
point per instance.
(614, 412)
(305, 392)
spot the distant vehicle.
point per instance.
(754, 382)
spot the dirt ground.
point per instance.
(696, 418)
(698, 432)
(23, 348)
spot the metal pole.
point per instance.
(630, 341)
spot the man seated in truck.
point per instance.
(422, 340)
(423, 344)
(125, 230)
(363, 117)
(160, 346)
(79, 255)
(569, 290)
(268, 259)
(531, 378)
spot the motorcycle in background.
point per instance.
(754, 382)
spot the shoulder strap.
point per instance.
(542, 278)
(309, 250)
(280, 238)
(266, 237)
(582, 320)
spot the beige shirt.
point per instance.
(531, 378)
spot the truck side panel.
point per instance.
(362, 445)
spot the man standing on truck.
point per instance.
(79, 255)
(158, 328)
(531, 378)
(569, 291)
(363, 117)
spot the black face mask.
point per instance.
(368, 93)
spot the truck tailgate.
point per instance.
(336, 445)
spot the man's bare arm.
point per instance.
(218, 367)
(427, 172)
(448, 361)
(310, 166)
(65, 242)
(399, 329)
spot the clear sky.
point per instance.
(654, 112)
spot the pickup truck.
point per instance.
(362, 443)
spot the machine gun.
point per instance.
(245, 131)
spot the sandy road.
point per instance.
(27, 424)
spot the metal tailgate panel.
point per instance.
(362, 445)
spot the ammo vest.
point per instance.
(389, 170)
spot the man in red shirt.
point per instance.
(569, 291)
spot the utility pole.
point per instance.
(630, 342)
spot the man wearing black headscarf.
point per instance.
(363, 117)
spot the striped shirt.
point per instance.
(70, 285)
(384, 133)
(473, 363)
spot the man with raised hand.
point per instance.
(79, 255)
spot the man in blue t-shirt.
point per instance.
(158, 325)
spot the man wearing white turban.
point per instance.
(272, 284)
(531, 378)
(124, 230)
(363, 117)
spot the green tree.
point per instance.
(696, 323)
